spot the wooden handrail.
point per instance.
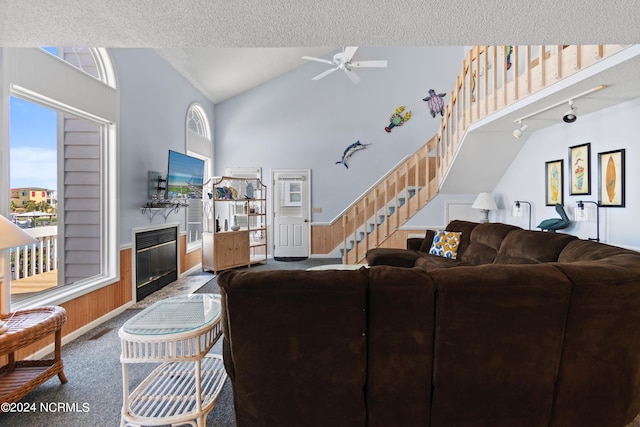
(491, 78)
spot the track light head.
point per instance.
(571, 115)
(521, 129)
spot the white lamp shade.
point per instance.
(484, 201)
(11, 235)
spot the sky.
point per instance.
(33, 140)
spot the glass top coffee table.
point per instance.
(177, 332)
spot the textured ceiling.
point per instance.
(200, 38)
(195, 36)
(286, 23)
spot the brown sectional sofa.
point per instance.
(525, 328)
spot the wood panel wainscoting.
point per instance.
(90, 307)
(187, 260)
(326, 237)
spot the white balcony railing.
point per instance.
(38, 258)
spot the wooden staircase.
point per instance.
(491, 78)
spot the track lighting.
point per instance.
(570, 116)
(522, 127)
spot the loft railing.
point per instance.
(491, 78)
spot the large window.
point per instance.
(198, 145)
(61, 179)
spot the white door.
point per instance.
(291, 207)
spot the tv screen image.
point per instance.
(185, 176)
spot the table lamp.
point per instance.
(10, 236)
(485, 203)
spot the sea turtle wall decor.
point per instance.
(435, 102)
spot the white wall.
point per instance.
(294, 122)
(154, 99)
(611, 129)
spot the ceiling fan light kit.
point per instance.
(343, 61)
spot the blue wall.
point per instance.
(154, 99)
(294, 122)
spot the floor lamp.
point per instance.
(581, 215)
(517, 210)
(10, 236)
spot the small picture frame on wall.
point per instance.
(580, 169)
(611, 179)
(554, 182)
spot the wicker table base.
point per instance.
(178, 333)
(17, 378)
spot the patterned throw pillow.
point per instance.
(445, 244)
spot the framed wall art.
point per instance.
(554, 182)
(611, 178)
(580, 169)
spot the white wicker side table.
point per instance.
(177, 332)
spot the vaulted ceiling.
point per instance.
(225, 48)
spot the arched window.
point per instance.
(93, 61)
(198, 138)
(77, 253)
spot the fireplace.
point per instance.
(156, 260)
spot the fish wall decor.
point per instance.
(350, 151)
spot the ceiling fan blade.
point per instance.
(353, 76)
(311, 58)
(349, 51)
(379, 64)
(326, 73)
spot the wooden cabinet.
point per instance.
(231, 201)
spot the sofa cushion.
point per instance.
(464, 227)
(297, 337)
(445, 244)
(393, 256)
(599, 371)
(400, 346)
(484, 242)
(425, 245)
(429, 262)
(499, 336)
(530, 247)
(586, 250)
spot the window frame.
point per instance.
(203, 133)
(109, 182)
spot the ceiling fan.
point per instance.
(343, 61)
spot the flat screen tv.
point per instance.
(185, 176)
